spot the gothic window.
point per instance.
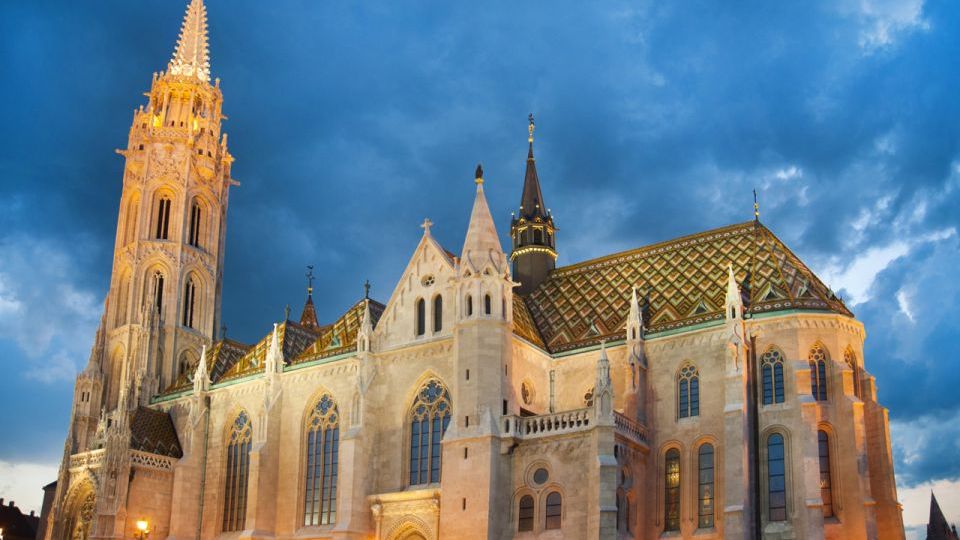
(189, 302)
(193, 238)
(469, 305)
(671, 496)
(158, 291)
(851, 359)
(776, 479)
(123, 298)
(130, 227)
(705, 491)
(237, 474)
(421, 316)
(826, 490)
(525, 514)
(429, 418)
(163, 218)
(538, 236)
(554, 510)
(486, 304)
(323, 446)
(688, 390)
(771, 366)
(818, 372)
(437, 313)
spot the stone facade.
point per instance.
(707, 387)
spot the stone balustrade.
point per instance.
(545, 425)
(630, 428)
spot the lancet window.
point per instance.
(671, 496)
(688, 391)
(437, 313)
(826, 486)
(189, 302)
(193, 237)
(421, 322)
(429, 418)
(771, 367)
(818, 372)
(323, 447)
(706, 494)
(237, 474)
(851, 359)
(163, 218)
(776, 479)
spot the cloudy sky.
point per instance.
(351, 122)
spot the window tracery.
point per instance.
(818, 372)
(771, 367)
(429, 418)
(237, 474)
(688, 391)
(323, 449)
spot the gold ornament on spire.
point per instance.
(478, 176)
(530, 128)
(756, 207)
(192, 56)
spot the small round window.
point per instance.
(540, 476)
(427, 281)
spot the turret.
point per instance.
(532, 231)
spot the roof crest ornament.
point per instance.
(426, 226)
(756, 207)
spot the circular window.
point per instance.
(427, 281)
(540, 476)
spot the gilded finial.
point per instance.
(531, 128)
(309, 279)
(756, 207)
(478, 177)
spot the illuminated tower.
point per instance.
(532, 231)
(164, 298)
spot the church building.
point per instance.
(710, 386)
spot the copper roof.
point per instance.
(684, 280)
(153, 431)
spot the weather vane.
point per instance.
(531, 127)
(309, 279)
(756, 207)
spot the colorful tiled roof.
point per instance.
(220, 357)
(523, 324)
(684, 280)
(341, 336)
(293, 337)
(153, 431)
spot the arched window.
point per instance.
(537, 236)
(671, 496)
(826, 489)
(421, 317)
(776, 479)
(237, 474)
(189, 302)
(771, 366)
(525, 514)
(688, 391)
(193, 235)
(705, 491)
(437, 313)
(486, 304)
(429, 418)
(163, 218)
(818, 372)
(623, 511)
(123, 299)
(469, 305)
(158, 291)
(851, 359)
(323, 447)
(130, 227)
(554, 511)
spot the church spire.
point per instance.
(532, 230)
(192, 55)
(482, 245)
(309, 316)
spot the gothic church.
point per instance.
(710, 386)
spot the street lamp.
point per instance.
(143, 532)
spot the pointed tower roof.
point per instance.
(531, 201)
(937, 527)
(309, 316)
(192, 55)
(482, 243)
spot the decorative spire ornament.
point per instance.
(192, 55)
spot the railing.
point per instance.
(545, 425)
(93, 458)
(630, 428)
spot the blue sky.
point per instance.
(351, 122)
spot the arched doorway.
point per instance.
(82, 514)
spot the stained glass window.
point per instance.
(323, 448)
(671, 498)
(771, 367)
(689, 391)
(705, 492)
(237, 474)
(430, 416)
(826, 489)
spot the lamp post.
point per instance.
(143, 531)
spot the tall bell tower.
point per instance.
(532, 231)
(164, 298)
